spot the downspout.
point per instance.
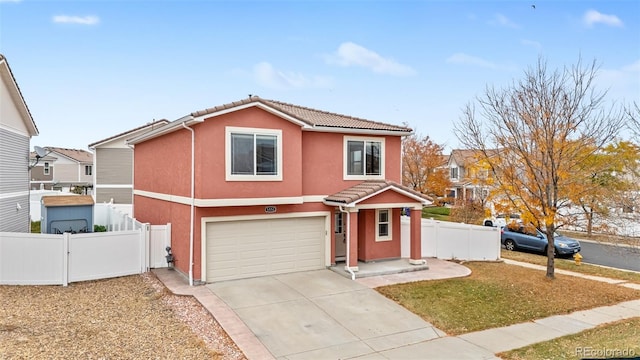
(348, 267)
(192, 201)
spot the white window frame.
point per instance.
(47, 168)
(88, 169)
(345, 158)
(457, 169)
(389, 222)
(252, 131)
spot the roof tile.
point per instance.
(313, 117)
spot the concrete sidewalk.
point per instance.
(477, 345)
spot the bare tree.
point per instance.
(633, 114)
(542, 124)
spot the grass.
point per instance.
(35, 227)
(569, 264)
(621, 339)
(436, 212)
(498, 294)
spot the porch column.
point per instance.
(415, 257)
(352, 239)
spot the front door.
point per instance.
(340, 238)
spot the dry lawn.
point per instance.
(497, 294)
(131, 317)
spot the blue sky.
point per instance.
(91, 69)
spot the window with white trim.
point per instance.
(364, 158)
(253, 154)
(87, 170)
(47, 168)
(383, 224)
(454, 173)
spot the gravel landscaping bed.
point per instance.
(132, 317)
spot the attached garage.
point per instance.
(237, 249)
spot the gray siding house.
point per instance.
(68, 169)
(16, 129)
(113, 167)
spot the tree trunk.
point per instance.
(550, 253)
(589, 222)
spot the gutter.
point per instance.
(192, 199)
(347, 267)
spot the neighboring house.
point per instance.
(113, 167)
(471, 178)
(68, 169)
(260, 187)
(16, 129)
(42, 171)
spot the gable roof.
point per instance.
(78, 155)
(349, 197)
(466, 157)
(309, 119)
(149, 126)
(16, 95)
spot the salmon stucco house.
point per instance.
(260, 187)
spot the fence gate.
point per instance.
(159, 239)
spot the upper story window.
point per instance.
(47, 168)
(87, 169)
(454, 173)
(364, 158)
(253, 154)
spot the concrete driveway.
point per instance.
(320, 314)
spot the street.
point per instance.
(620, 257)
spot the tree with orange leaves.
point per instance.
(542, 124)
(422, 165)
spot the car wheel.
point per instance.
(488, 223)
(509, 245)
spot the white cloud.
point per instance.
(592, 17)
(266, 75)
(461, 58)
(531, 43)
(502, 20)
(621, 83)
(350, 54)
(82, 20)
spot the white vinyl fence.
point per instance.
(128, 247)
(453, 241)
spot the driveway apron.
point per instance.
(320, 314)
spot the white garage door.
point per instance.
(248, 248)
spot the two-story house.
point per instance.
(260, 187)
(113, 167)
(16, 129)
(471, 177)
(63, 169)
(42, 171)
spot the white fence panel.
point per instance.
(159, 239)
(33, 259)
(105, 255)
(447, 240)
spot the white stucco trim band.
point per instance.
(293, 200)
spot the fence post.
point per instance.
(65, 258)
(146, 231)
